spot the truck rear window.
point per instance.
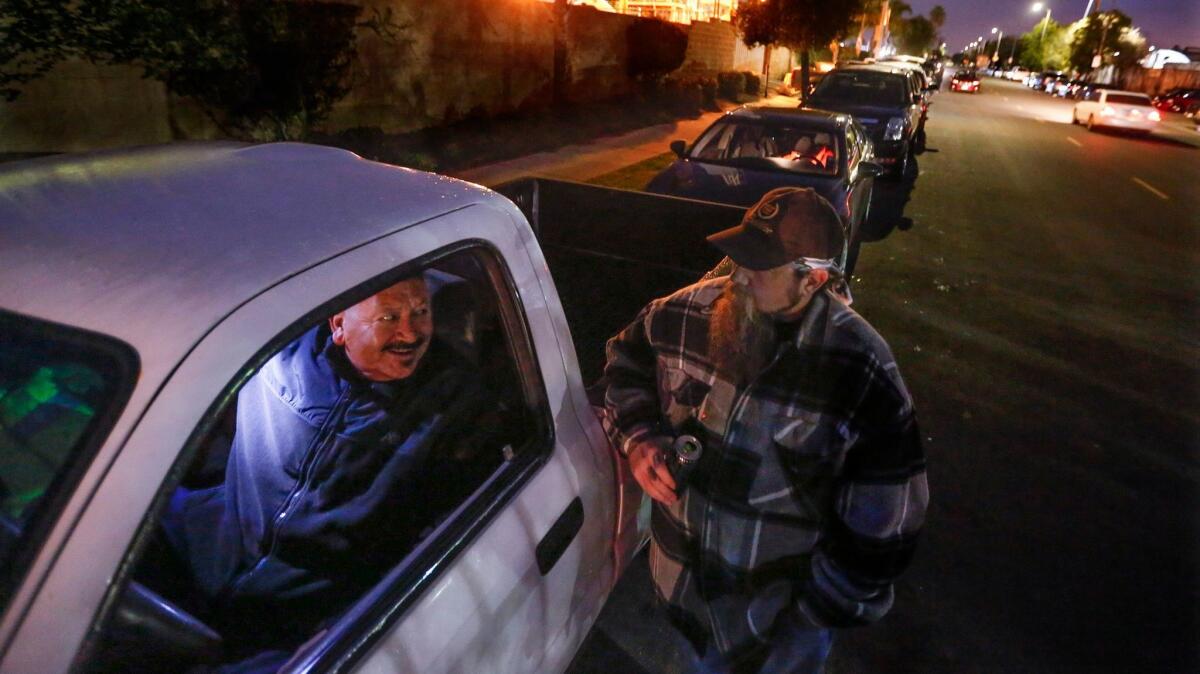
(60, 389)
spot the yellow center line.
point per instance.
(1150, 188)
(1074, 142)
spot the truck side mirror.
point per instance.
(679, 147)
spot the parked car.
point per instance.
(790, 86)
(1038, 80)
(1050, 82)
(1180, 99)
(1067, 88)
(965, 80)
(1126, 110)
(751, 151)
(1088, 87)
(149, 285)
(884, 102)
(1017, 74)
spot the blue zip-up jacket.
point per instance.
(329, 481)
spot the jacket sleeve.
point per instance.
(878, 511)
(631, 399)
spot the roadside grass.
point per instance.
(635, 176)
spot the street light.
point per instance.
(1037, 7)
(996, 54)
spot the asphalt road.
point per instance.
(1038, 285)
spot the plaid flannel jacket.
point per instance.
(811, 489)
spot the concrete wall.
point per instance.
(1154, 82)
(715, 45)
(597, 54)
(711, 45)
(80, 106)
(447, 61)
(452, 60)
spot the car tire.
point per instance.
(901, 170)
(1074, 119)
(1091, 124)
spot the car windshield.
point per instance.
(1129, 99)
(57, 390)
(788, 147)
(966, 76)
(862, 88)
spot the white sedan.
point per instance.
(1104, 108)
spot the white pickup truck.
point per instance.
(143, 288)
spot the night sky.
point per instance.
(1163, 22)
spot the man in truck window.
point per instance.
(348, 442)
(809, 491)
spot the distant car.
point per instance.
(1067, 88)
(965, 80)
(1050, 82)
(1180, 99)
(751, 151)
(1038, 80)
(1116, 110)
(884, 101)
(792, 81)
(1017, 74)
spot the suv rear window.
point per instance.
(60, 390)
(862, 88)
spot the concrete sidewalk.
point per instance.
(586, 161)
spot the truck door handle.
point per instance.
(559, 537)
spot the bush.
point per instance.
(753, 83)
(655, 47)
(730, 84)
(686, 95)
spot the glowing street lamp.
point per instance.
(996, 54)
(1037, 7)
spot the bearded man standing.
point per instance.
(806, 501)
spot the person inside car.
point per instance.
(328, 482)
(812, 150)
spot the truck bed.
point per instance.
(611, 251)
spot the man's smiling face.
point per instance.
(386, 335)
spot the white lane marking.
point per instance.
(1074, 142)
(1005, 97)
(1150, 188)
(1020, 107)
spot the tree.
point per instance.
(1111, 35)
(261, 69)
(914, 36)
(937, 16)
(1046, 47)
(800, 24)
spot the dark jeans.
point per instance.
(792, 649)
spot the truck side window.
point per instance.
(355, 449)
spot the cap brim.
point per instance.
(749, 248)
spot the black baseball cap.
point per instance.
(787, 224)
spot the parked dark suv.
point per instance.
(883, 102)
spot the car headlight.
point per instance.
(895, 129)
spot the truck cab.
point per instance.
(148, 286)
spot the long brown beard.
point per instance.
(741, 339)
